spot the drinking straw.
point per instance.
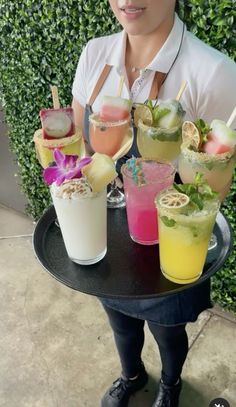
(181, 89)
(231, 118)
(120, 85)
(55, 97)
(124, 149)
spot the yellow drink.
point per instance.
(184, 235)
(68, 145)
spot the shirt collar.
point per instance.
(164, 58)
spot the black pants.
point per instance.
(129, 338)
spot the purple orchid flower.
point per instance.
(65, 167)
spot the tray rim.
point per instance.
(50, 211)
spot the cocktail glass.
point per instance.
(140, 193)
(217, 170)
(68, 145)
(184, 238)
(157, 143)
(82, 217)
(108, 138)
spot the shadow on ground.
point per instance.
(190, 396)
(146, 396)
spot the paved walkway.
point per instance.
(56, 349)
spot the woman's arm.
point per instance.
(79, 117)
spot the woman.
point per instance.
(155, 53)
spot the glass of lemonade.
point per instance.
(184, 234)
(82, 217)
(159, 126)
(217, 169)
(143, 179)
(158, 144)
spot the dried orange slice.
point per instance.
(174, 200)
(144, 113)
(190, 135)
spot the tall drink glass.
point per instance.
(184, 235)
(82, 217)
(140, 206)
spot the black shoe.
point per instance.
(119, 393)
(168, 396)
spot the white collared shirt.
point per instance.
(210, 75)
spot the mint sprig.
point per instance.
(198, 192)
(203, 129)
(157, 111)
(168, 221)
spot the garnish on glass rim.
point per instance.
(64, 168)
(198, 192)
(203, 129)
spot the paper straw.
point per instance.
(232, 117)
(55, 97)
(120, 86)
(123, 149)
(182, 88)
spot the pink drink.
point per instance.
(140, 207)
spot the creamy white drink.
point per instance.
(82, 215)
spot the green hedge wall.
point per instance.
(40, 45)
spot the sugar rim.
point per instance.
(205, 157)
(125, 171)
(93, 118)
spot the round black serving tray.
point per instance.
(129, 270)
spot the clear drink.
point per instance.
(217, 169)
(158, 144)
(184, 235)
(140, 207)
(82, 216)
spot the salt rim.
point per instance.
(93, 118)
(56, 143)
(205, 157)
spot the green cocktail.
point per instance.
(159, 137)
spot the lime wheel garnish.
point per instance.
(190, 135)
(144, 113)
(174, 200)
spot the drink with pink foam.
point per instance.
(143, 179)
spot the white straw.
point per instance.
(120, 85)
(232, 117)
(182, 87)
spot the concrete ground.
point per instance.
(56, 348)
